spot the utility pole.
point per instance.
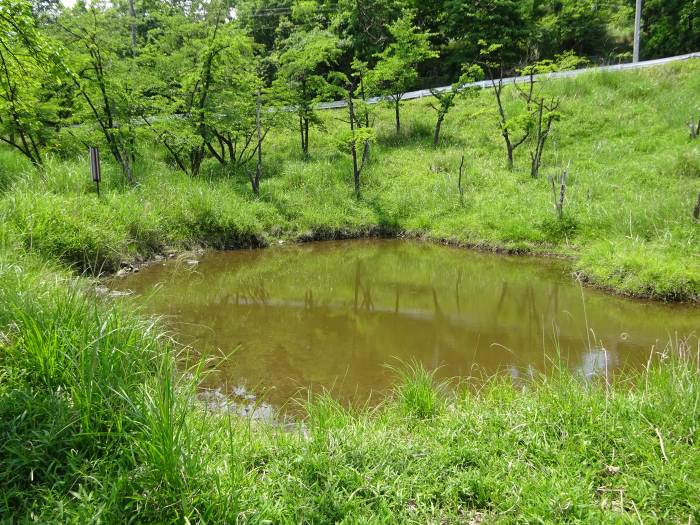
(132, 14)
(637, 28)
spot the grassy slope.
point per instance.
(634, 178)
(94, 425)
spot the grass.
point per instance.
(97, 425)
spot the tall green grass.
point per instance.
(89, 392)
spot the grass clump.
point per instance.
(418, 393)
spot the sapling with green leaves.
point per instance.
(515, 129)
(544, 115)
(359, 132)
(301, 78)
(360, 72)
(230, 115)
(542, 110)
(183, 61)
(28, 76)
(531, 116)
(446, 99)
(105, 76)
(396, 70)
(208, 94)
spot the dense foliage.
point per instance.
(199, 78)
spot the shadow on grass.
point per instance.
(418, 134)
(389, 223)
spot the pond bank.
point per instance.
(135, 263)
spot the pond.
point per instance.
(332, 315)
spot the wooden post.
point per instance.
(95, 168)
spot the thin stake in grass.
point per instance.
(694, 128)
(558, 185)
(459, 182)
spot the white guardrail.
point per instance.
(512, 80)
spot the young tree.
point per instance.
(446, 99)
(301, 79)
(515, 130)
(104, 73)
(204, 87)
(359, 132)
(396, 71)
(532, 113)
(543, 109)
(228, 120)
(28, 73)
(360, 71)
(178, 58)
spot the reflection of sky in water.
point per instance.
(597, 362)
(332, 315)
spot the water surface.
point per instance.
(331, 315)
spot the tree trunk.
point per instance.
(696, 211)
(301, 133)
(397, 102)
(196, 158)
(540, 137)
(438, 125)
(258, 167)
(365, 155)
(353, 146)
(509, 148)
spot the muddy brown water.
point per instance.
(332, 315)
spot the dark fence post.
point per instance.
(95, 168)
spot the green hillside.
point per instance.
(634, 177)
